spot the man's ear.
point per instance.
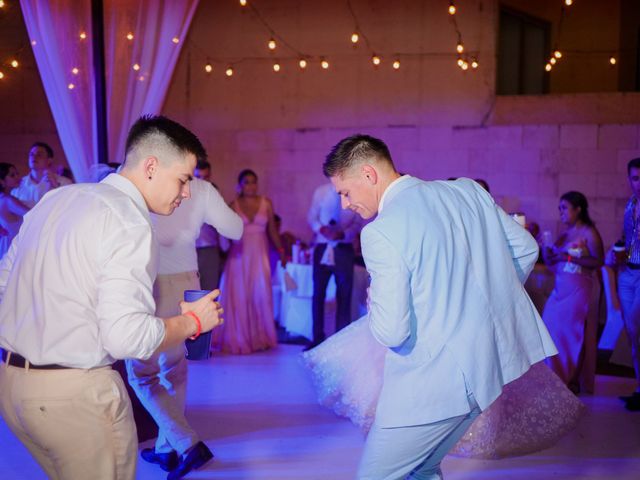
(370, 173)
(150, 165)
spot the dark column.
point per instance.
(97, 36)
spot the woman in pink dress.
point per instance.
(532, 413)
(575, 256)
(246, 295)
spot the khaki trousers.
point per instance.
(160, 382)
(78, 424)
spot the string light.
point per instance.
(229, 72)
(129, 36)
(1, 75)
(34, 43)
(396, 64)
(324, 64)
(613, 60)
(355, 37)
(175, 40)
(1, 4)
(14, 63)
(75, 70)
(276, 67)
(272, 44)
(452, 8)
(243, 3)
(464, 66)
(557, 54)
(83, 36)
(375, 60)
(71, 86)
(548, 67)
(136, 67)
(552, 60)
(302, 63)
(208, 68)
(568, 3)
(459, 47)
(474, 64)
(141, 78)
(460, 62)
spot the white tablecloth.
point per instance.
(296, 294)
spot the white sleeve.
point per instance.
(6, 265)
(390, 289)
(220, 215)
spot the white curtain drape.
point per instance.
(54, 27)
(130, 93)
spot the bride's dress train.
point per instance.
(532, 413)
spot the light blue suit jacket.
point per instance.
(447, 269)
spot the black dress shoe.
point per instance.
(167, 461)
(195, 457)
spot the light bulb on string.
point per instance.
(243, 3)
(396, 65)
(613, 60)
(548, 67)
(355, 37)
(175, 40)
(229, 72)
(83, 35)
(302, 63)
(71, 86)
(474, 64)
(1, 75)
(208, 68)
(34, 43)
(324, 64)
(130, 36)
(75, 70)
(552, 60)
(376, 60)
(141, 78)
(460, 62)
(452, 8)
(568, 3)
(459, 47)
(1, 3)
(136, 67)
(464, 66)
(276, 67)
(14, 63)
(272, 44)
(557, 54)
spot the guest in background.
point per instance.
(335, 231)
(483, 184)
(629, 276)
(11, 209)
(247, 295)
(576, 254)
(287, 240)
(539, 285)
(160, 382)
(208, 241)
(41, 178)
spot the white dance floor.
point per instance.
(258, 415)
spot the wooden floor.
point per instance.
(259, 416)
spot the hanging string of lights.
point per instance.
(464, 58)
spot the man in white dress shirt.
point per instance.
(335, 230)
(76, 294)
(41, 178)
(160, 382)
(447, 269)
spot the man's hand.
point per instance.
(207, 309)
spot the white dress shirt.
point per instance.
(30, 192)
(177, 233)
(325, 207)
(76, 284)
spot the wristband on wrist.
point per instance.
(198, 324)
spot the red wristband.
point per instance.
(198, 325)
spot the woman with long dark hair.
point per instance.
(246, 282)
(575, 255)
(11, 209)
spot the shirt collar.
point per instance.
(127, 187)
(390, 187)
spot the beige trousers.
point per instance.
(78, 424)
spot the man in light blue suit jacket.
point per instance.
(447, 270)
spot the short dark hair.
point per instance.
(577, 199)
(203, 165)
(5, 168)
(245, 173)
(46, 146)
(352, 151)
(633, 163)
(178, 136)
(483, 183)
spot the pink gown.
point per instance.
(532, 413)
(246, 294)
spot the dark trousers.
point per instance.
(343, 271)
(209, 267)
